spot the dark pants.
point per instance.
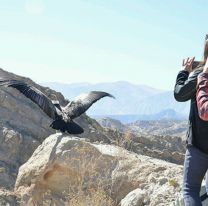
(195, 167)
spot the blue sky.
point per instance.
(140, 41)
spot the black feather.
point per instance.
(70, 127)
(33, 94)
(83, 102)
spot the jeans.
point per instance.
(206, 185)
(195, 167)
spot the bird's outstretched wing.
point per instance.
(83, 102)
(33, 94)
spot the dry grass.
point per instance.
(123, 140)
(93, 187)
(95, 197)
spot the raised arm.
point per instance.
(185, 87)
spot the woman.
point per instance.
(196, 157)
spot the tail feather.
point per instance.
(70, 127)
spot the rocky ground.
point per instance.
(144, 138)
(176, 128)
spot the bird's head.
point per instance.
(53, 97)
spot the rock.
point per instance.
(7, 198)
(150, 138)
(112, 124)
(179, 201)
(176, 128)
(162, 147)
(65, 168)
(134, 198)
(162, 180)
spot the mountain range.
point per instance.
(133, 102)
(168, 114)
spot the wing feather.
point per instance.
(33, 94)
(83, 102)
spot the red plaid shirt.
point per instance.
(202, 96)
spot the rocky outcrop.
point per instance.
(166, 127)
(64, 170)
(149, 138)
(112, 124)
(167, 148)
(8, 198)
(176, 128)
(134, 198)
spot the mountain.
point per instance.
(130, 100)
(168, 114)
(136, 91)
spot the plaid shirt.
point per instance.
(202, 96)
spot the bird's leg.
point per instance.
(58, 132)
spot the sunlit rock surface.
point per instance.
(63, 168)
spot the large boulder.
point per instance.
(65, 170)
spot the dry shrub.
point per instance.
(95, 197)
(123, 139)
(93, 187)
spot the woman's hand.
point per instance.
(187, 64)
(205, 70)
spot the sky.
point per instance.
(68, 41)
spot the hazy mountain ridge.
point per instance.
(168, 114)
(131, 99)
